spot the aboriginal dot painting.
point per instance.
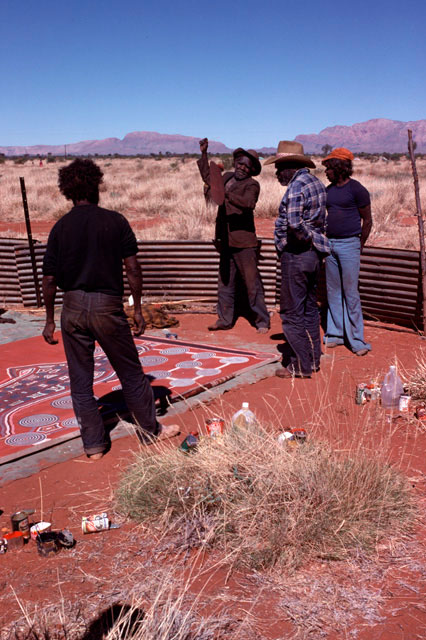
(35, 401)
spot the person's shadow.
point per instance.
(113, 408)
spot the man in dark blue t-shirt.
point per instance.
(85, 253)
(349, 224)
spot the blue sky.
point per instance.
(246, 73)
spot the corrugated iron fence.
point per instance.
(390, 283)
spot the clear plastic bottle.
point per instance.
(244, 418)
(391, 388)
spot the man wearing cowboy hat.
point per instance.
(301, 244)
(235, 238)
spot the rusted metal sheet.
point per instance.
(389, 278)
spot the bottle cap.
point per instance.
(245, 405)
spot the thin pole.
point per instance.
(420, 221)
(30, 240)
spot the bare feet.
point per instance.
(168, 431)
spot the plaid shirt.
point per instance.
(302, 212)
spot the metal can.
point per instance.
(215, 427)
(3, 545)
(20, 522)
(404, 403)
(420, 412)
(360, 397)
(190, 443)
(95, 523)
(47, 544)
(375, 393)
(300, 435)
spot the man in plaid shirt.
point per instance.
(301, 244)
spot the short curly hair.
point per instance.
(80, 180)
(342, 168)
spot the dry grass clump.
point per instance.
(263, 504)
(416, 381)
(171, 190)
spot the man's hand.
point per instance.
(204, 145)
(48, 331)
(140, 324)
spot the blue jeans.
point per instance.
(244, 262)
(345, 324)
(87, 317)
(299, 310)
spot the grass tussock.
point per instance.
(416, 380)
(172, 190)
(265, 504)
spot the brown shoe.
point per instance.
(95, 456)
(168, 431)
(218, 326)
(284, 372)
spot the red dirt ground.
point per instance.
(103, 567)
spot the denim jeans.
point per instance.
(244, 262)
(299, 310)
(345, 324)
(89, 317)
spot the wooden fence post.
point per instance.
(30, 240)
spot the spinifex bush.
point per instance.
(264, 504)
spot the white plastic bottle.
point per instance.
(391, 388)
(244, 418)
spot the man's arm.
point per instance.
(203, 162)
(134, 277)
(367, 223)
(49, 295)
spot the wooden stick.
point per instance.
(419, 220)
(165, 303)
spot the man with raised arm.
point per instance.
(85, 252)
(235, 238)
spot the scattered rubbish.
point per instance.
(189, 445)
(420, 411)
(170, 335)
(14, 540)
(20, 522)
(285, 436)
(3, 545)
(366, 392)
(48, 544)
(215, 427)
(244, 418)
(98, 522)
(40, 527)
(404, 403)
(391, 388)
(293, 436)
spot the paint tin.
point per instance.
(300, 435)
(360, 397)
(95, 523)
(40, 527)
(65, 538)
(190, 443)
(215, 427)
(420, 412)
(3, 546)
(47, 544)
(404, 403)
(20, 522)
(14, 540)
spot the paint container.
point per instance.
(20, 522)
(40, 527)
(95, 523)
(65, 538)
(215, 427)
(189, 445)
(3, 546)
(360, 394)
(404, 403)
(47, 544)
(300, 435)
(14, 540)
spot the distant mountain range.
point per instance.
(372, 136)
